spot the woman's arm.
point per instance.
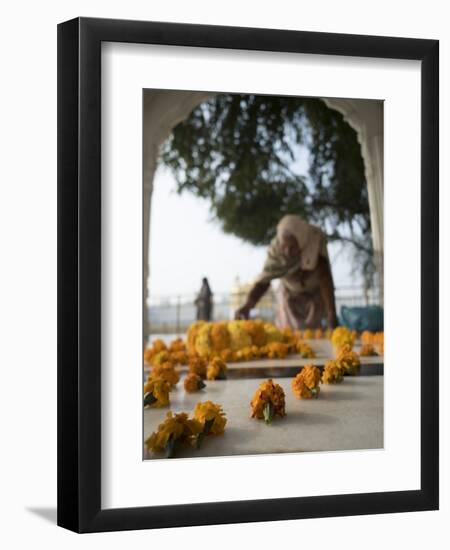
(256, 292)
(327, 290)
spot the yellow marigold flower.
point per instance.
(342, 336)
(239, 338)
(160, 358)
(305, 350)
(306, 384)
(272, 333)
(268, 401)
(151, 351)
(220, 337)
(156, 392)
(197, 365)
(177, 345)
(328, 333)
(308, 334)
(367, 350)
(179, 357)
(247, 354)
(203, 343)
(348, 359)
(192, 335)
(276, 350)
(210, 416)
(175, 430)
(333, 373)
(193, 383)
(318, 333)
(217, 369)
(255, 329)
(167, 372)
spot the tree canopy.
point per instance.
(241, 153)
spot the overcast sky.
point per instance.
(186, 245)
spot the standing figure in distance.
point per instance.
(203, 302)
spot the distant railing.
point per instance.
(173, 314)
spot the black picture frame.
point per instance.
(79, 274)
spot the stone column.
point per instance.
(163, 109)
(366, 117)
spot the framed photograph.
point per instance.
(242, 214)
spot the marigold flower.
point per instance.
(203, 342)
(156, 392)
(349, 360)
(177, 345)
(367, 350)
(248, 353)
(276, 350)
(160, 357)
(193, 383)
(367, 337)
(210, 416)
(333, 373)
(175, 430)
(150, 351)
(306, 384)
(167, 372)
(220, 337)
(227, 355)
(272, 333)
(308, 334)
(197, 365)
(179, 357)
(192, 335)
(305, 350)
(217, 369)
(378, 341)
(239, 338)
(255, 329)
(342, 336)
(318, 333)
(268, 401)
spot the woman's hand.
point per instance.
(242, 313)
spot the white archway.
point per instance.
(164, 109)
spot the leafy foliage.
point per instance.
(240, 152)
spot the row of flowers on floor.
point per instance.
(267, 403)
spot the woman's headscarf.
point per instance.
(311, 241)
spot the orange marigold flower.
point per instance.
(367, 350)
(197, 365)
(255, 329)
(227, 355)
(333, 373)
(160, 357)
(349, 360)
(217, 369)
(268, 401)
(193, 383)
(378, 341)
(192, 335)
(179, 357)
(305, 350)
(318, 333)
(308, 334)
(220, 337)
(367, 337)
(156, 392)
(177, 345)
(276, 350)
(175, 430)
(306, 384)
(167, 372)
(210, 417)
